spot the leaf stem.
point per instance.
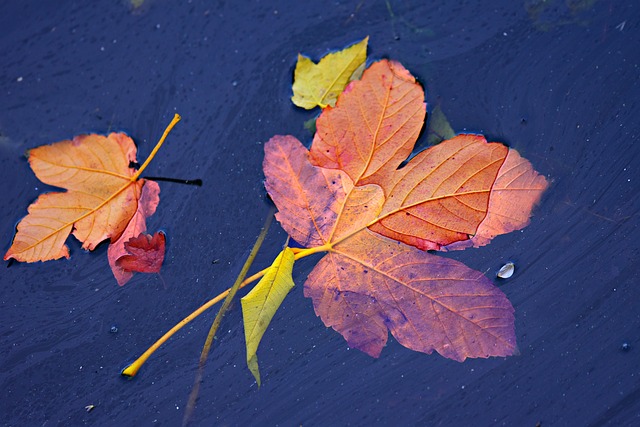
(193, 396)
(133, 368)
(310, 251)
(174, 121)
(196, 182)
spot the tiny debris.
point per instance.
(506, 271)
(621, 25)
(625, 346)
(89, 408)
(114, 329)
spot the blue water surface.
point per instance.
(556, 80)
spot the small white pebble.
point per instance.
(506, 271)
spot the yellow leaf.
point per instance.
(259, 305)
(320, 84)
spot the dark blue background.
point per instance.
(562, 87)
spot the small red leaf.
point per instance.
(146, 253)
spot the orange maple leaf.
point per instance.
(101, 197)
(346, 196)
(99, 201)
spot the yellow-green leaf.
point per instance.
(320, 84)
(259, 305)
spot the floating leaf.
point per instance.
(320, 84)
(259, 305)
(310, 125)
(100, 200)
(431, 202)
(346, 196)
(105, 199)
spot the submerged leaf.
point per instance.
(259, 305)
(100, 200)
(320, 84)
(439, 127)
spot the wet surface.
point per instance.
(558, 82)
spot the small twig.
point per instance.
(191, 404)
(197, 182)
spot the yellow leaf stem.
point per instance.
(133, 368)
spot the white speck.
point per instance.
(504, 34)
(621, 25)
(19, 79)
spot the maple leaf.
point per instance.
(320, 84)
(346, 196)
(99, 201)
(105, 199)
